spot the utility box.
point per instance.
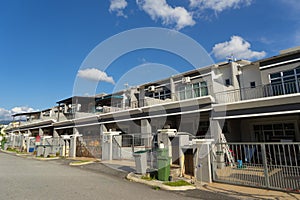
(163, 164)
(140, 158)
(110, 145)
(39, 150)
(47, 151)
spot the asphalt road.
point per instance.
(24, 178)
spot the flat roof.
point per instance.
(30, 113)
(95, 98)
(70, 99)
(26, 113)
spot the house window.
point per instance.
(203, 87)
(227, 82)
(274, 132)
(192, 90)
(165, 94)
(252, 84)
(285, 82)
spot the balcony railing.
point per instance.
(257, 92)
(23, 123)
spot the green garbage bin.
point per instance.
(163, 164)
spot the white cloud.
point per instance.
(159, 9)
(293, 4)
(95, 75)
(118, 6)
(219, 5)
(237, 47)
(6, 114)
(22, 109)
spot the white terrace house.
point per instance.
(241, 100)
(265, 107)
(248, 101)
(27, 126)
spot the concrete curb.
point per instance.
(23, 154)
(155, 183)
(54, 158)
(76, 163)
(9, 152)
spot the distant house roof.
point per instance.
(82, 99)
(30, 113)
(79, 98)
(25, 113)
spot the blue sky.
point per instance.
(43, 43)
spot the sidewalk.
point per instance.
(240, 192)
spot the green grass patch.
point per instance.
(177, 183)
(155, 188)
(13, 150)
(147, 178)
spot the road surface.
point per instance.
(25, 178)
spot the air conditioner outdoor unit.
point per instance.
(151, 88)
(186, 79)
(169, 132)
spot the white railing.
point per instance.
(266, 165)
(257, 92)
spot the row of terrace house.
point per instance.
(245, 101)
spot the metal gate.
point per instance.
(265, 165)
(125, 145)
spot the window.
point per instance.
(196, 89)
(275, 75)
(204, 90)
(286, 82)
(192, 90)
(189, 91)
(274, 132)
(165, 94)
(227, 82)
(252, 84)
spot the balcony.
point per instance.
(261, 91)
(149, 101)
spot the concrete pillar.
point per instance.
(55, 133)
(41, 132)
(203, 172)
(146, 131)
(29, 132)
(172, 89)
(72, 152)
(56, 142)
(106, 143)
(13, 139)
(23, 142)
(123, 106)
(102, 129)
(65, 108)
(28, 140)
(27, 144)
(65, 150)
(142, 97)
(216, 131)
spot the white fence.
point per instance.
(266, 165)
